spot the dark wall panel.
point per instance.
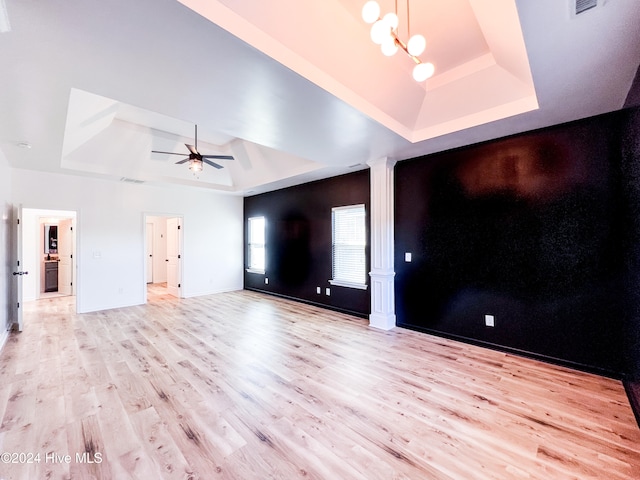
(299, 240)
(633, 97)
(530, 229)
(630, 173)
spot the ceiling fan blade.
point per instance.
(215, 165)
(192, 149)
(219, 157)
(168, 153)
(183, 161)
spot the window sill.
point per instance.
(255, 270)
(340, 283)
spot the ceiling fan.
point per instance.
(195, 158)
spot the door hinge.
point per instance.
(71, 256)
(18, 262)
(17, 221)
(179, 285)
(179, 256)
(179, 227)
(71, 228)
(18, 304)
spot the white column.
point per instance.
(382, 268)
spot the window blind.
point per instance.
(257, 243)
(349, 244)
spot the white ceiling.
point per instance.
(294, 90)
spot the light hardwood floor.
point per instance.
(246, 386)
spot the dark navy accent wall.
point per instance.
(630, 173)
(534, 230)
(633, 97)
(299, 241)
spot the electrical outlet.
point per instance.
(327, 291)
(318, 290)
(489, 321)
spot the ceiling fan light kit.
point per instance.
(196, 159)
(384, 32)
(195, 165)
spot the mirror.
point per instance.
(50, 238)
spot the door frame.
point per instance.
(166, 216)
(72, 238)
(46, 212)
(17, 270)
(42, 214)
(149, 252)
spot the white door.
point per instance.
(17, 273)
(65, 256)
(173, 256)
(149, 253)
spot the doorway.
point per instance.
(49, 253)
(163, 253)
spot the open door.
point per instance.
(16, 263)
(149, 253)
(173, 256)
(65, 256)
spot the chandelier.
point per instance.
(384, 32)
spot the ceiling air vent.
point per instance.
(131, 180)
(584, 5)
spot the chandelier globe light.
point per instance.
(380, 31)
(391, 20)
(384, 32)
(389, 47)
(423, 71)
(416, 45)
(371, 11)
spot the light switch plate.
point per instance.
(489, 321)
(407, 257)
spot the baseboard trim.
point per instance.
(523, 353)
(309, 302)
(382, 321)
(4, 336)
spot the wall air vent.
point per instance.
(582, 6)
(131, 180)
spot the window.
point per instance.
(349, 246)
(256, 245)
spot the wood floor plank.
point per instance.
(84, 437)
(159, 444)
(245, 386)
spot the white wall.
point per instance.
(111, 231)
(5, 246)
